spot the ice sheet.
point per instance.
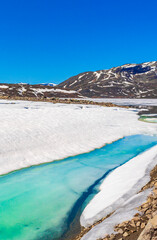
(35, 132)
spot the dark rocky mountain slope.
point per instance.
(126, 81)
(35, 91)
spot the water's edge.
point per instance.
(34, 193)
(74, 227)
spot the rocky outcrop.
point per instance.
(150, 231)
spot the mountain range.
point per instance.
(126, 81)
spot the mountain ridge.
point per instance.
(128, 80)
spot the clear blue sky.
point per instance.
(51, 40)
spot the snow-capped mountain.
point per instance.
(126, 81)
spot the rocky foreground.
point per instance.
(143, 226)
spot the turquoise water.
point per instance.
(39, 202)
(147, 118)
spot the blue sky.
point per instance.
(50, 40)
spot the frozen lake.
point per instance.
(40, 202)
(126, 101)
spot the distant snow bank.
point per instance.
(3, 86)
(42, 90)
(37, 132)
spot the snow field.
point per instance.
(34, 132)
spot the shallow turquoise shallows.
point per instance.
(37, 202)
(149, 118)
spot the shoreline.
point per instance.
(120, 186)
(61, 100)
(56, 161)
(131, 229)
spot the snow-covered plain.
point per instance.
(35, 132)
